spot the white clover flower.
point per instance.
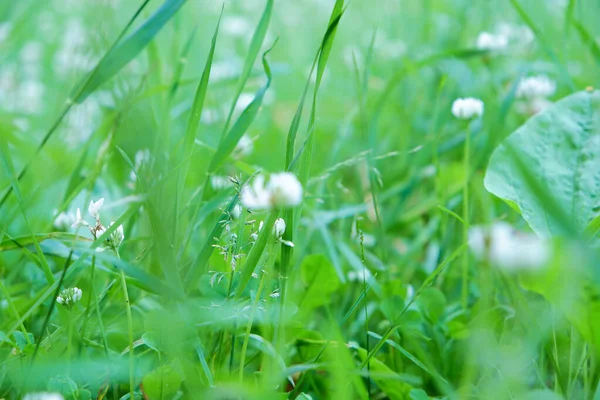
(117, 237)
(243, 101)
(467, 108)
(218, 182)
(113, 241)
(244, 147)
(502, 246)
(236, 211)
(142, 158)
(236, 26)
(282, 190)
(539, 86)
(518, 34)
(285, 189)
(491, 41)
(69, 296)
(64, 220)
(43, 396)
(279, 228)
(78, 220)
(94, 208)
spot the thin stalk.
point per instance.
(261, 285)
(129, 328)
(14, 310)
(89, 304)
(466, 166)
(70, 339)
(249, 326)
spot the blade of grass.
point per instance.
(428, 281)
(256, 43)
(77, 93)
(230, 140)
(588, 39)
(201, 261)
(126, 50)
(255, 254)
(10, 169)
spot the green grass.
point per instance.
(148, 103)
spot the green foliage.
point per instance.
(377, 288)
(559, 147)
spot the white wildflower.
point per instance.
(491, 41)
(282, 190)
(243, 101)
(78, 220)
(244, 147)
(69, 296)
(218, 182)
(43, 396)
(467, 108)
(64, 220)
(279, 230)
(236, 211)
(536, 87)
(116, 237)
(94, 208)
(502, 246)
(517, 34)
(236, 26)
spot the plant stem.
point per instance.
(129, 328)
(70, 338)
(14, 310)
(465, 270)
(251, 320)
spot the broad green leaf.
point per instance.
(548, 167)
(319, 280)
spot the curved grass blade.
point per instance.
(588, 39)
(142, 36)
(230, 140)
(255, 254)
(201, 261)
(256, 43)
(127, 49)
(545, 45)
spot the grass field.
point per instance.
(317, 199)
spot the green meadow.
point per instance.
(309, 199)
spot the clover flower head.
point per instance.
(491, 41)
(282, 190)
(244, 147)
(94, 208)
(539, 86)
(467, 108)
(508, 249)
(43, 396)
(69, 296)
